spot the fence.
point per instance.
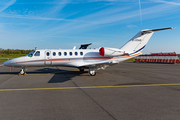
(158, 58)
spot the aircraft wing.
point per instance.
(101, 65)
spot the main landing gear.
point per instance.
(81, 69)
(22, 72)
(92, 71)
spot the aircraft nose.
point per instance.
(7, 63)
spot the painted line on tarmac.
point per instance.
(145, 69)
(91, 87)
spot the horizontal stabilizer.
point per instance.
(154, 30)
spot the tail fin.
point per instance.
(139, 41)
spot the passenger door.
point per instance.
(48, 58)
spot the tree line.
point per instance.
(14, 51)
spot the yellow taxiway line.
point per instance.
(90, 87)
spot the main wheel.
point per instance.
(81, 69)
(92, 72)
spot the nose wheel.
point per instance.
(22, 72)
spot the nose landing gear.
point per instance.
(22, 72)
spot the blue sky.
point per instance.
(48, 24)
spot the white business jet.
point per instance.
(92, 59)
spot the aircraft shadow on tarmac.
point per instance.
(60, 76)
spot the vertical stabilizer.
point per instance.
(139, 41)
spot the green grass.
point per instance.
(5, 57)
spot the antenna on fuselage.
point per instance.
(74, 47)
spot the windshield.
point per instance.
(31, 54)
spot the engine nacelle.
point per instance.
(110, 52)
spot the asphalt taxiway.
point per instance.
(127, 91)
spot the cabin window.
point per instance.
(65, 53)
(81, 53)
(54, 53)
(76, 53)
(59, 53)
(70, 53)
(37, 53)
(47, 53)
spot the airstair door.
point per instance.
(48, 58)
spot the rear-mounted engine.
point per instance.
(110, 52)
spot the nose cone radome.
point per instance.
(11, 62)
(14, 62)
(7, 63)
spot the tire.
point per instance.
(92, 73)
(81, 69)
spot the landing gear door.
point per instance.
(48, 58)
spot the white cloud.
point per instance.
(32, 17)
(112, 15)
(102, 0)
(131, 26)
(5, 4)
(167, 2)
(58, 7)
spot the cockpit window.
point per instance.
(31, 54)
(37, 53)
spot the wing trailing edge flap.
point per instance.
(101, 65)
